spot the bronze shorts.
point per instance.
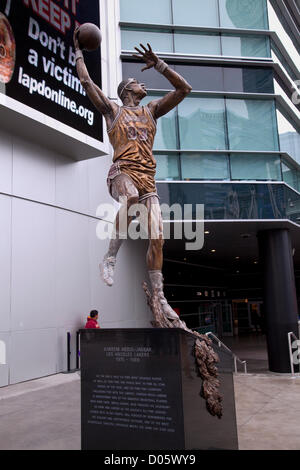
(137, 182)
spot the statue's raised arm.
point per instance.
(105, 106)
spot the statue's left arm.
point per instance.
(182, 88)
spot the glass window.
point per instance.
(167, 167)
(246, 46)
(289, 138)
(204, 166)
(291, 176)
(202, 124)
(255, 167)
(165, 138)
(233, 200)
(249, 14)
(161, 41)
(151, 77)
(202, 78)
(248, 79)
(252, 124)
(196, 43)
(196, 12)
(206, 78)
(154, 11)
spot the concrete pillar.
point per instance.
(280, 300)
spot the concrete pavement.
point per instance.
(44, 414)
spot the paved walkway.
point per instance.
(268, 411)
(44, 414)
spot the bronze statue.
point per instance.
(131, 129)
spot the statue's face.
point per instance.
(138, 89)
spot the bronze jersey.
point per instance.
(132, 136)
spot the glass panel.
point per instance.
(234, 200)
(252, 124)
(248, 79)
(201, 166)
(249, 14)
(289, 138)
(151, 77)
(202, 124)
(154, 11)
(167, 167)
(291, 176)
(202, 78)
(160, 41)
(206, 78)
(246, 46)
(165, 138)
(195, 43)
(195, 12)
(255, 167)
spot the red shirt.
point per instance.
(91, 323)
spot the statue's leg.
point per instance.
(155, 254)
(121, 187)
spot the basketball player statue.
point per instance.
(131, 129)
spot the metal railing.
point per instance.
(236, 359)
(291, 336)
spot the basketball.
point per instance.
(89, 37)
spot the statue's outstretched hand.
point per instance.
(148, 56)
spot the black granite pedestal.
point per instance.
(140, 390)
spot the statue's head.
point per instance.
(133, 87)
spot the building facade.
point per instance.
(231, 146)
(50, 190)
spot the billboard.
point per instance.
(37, 59)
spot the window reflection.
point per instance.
(250, 14)
(197, 43)
(204, 166)
(196, 12)
(167, 167)
(202, 124)
(246, 46)
(207, 77)
(252, 124)
(164, 41)
(235, 200)
(289, 138)
(255, 167)
(291, 176)
(154, 11)
(165, 138)
(160, 40)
